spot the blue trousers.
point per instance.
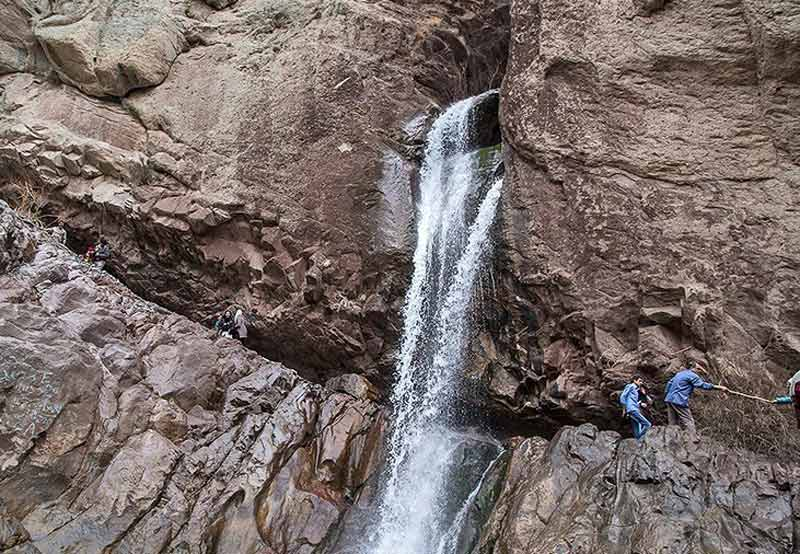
(640, 424)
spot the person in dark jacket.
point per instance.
(633, 398)
(679, 390)
(225, 325)
(102, 253)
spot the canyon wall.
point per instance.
(651, 203)
(259, 152)
(128, 429)
(264, 152)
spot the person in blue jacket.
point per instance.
(632, 405)
(679, 390)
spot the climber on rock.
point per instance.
(793, 396)
(633, 399)
(89, 256)
(225, 325)
(240, 323)
(102, 253)
(677, 394)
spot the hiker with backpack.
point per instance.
(633, 399)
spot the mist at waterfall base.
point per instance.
(433, 467)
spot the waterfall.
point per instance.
(452, 244)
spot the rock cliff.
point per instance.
(651, 201)
(588, 491)
(124, 428)
(265, 152)
(260, 151)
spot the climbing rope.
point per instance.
(750, 396)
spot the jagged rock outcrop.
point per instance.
(588, 491)
(651, 201)
(18, 242)
(14, 539)
(263, 151)
(108, 48)
(125, 428)
(19, 50)
(258, 151)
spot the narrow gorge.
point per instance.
(459, 228)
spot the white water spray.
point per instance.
(452, 243)
(449, 541)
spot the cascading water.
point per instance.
(452, 243)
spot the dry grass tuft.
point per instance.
(738, 422)
(28, 200)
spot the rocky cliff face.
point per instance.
(124, 428)
(587, 491)
(651, 198)
(264, 151)
(259, 151)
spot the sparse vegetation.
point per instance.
(741, 423)
(28, 200)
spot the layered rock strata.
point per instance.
(259, 151)
(264, 152)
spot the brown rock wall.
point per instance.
(126, 428)
(587, 491)
(650, 207)
(255, 153)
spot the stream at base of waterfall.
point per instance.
(433, 464)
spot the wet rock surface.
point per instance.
(589, 491)
(125, 428)
(650, 203)
(258, 151)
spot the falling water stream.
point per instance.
(454, 217)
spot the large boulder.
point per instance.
(126, 428)
(13, 536)
(650, 202)
(19, 49)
